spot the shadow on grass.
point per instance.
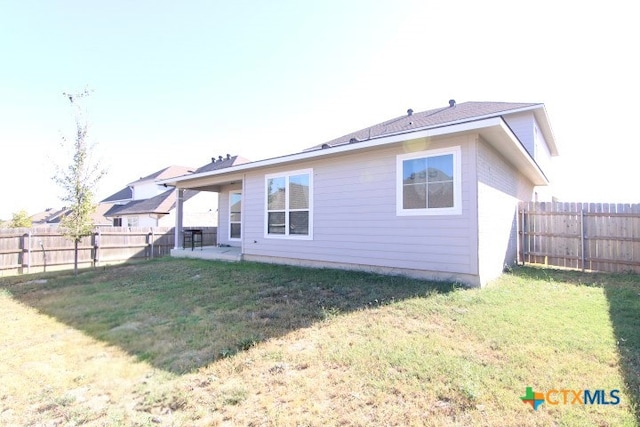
(623, 295)
(182, 314)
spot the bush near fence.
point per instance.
(33, 250)
(586, 236)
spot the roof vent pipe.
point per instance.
(452, 103)
(228, 156)
(409, 112)
(220, 158)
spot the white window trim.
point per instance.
(286, 175)
(457, 183)
(235, 239)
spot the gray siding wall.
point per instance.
(522, 126)
(355, 221)
(500, 187)
(542, 155)
(526, 128)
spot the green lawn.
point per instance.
(188, 342)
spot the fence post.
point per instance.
(26, 252)
(147, 249)
(582, 237)
(96, 248)
(152, 241)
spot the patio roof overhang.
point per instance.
(205, 182)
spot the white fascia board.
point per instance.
(439, 130)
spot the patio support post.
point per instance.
(178, 227)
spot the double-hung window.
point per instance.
(429, 183)
(289, 204)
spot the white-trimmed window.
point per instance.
(235, 215)
(289, 204)
(429, 183)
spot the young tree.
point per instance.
(78, 179)
(20, 219)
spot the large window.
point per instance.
(235, 215)
(428, 183)
(288, 210)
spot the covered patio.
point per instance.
(229, 186)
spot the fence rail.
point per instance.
(31, 250)
(586, 236)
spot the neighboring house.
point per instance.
(52, 217)
(431, 194)
(145, 203)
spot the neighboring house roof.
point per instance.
(454, 113)
(166, 173)
(298, 197)
(124, 194)
(161, 204)
(53, 216)
(48, 216)
(99, 214)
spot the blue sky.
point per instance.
(180, 82)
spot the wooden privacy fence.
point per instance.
(586, 236)
(31, 250)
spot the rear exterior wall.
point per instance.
(354, 218)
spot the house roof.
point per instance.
(166, 173)
(161, 204)
(54, 216)
(125, 194)
(216, 164)
(99, 214)
(221, 163)
(48, 216)
(484, 118)
(454, 113)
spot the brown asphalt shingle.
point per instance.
(466, 111)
